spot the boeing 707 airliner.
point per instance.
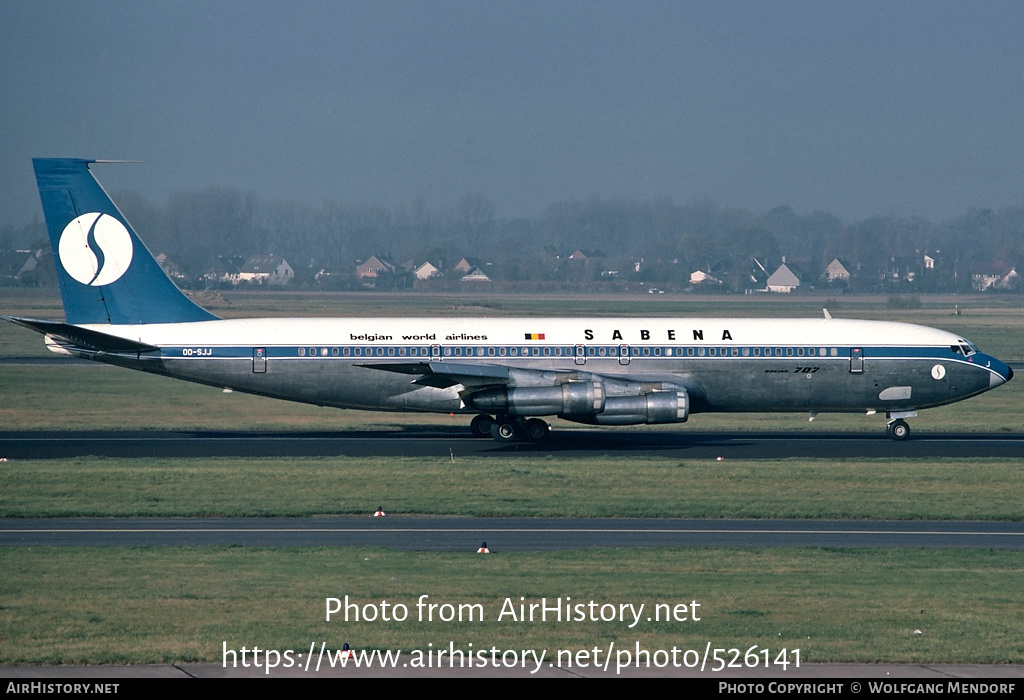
(121, 309)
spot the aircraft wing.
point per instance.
(490, 386)
(475, 376)
(445, 374)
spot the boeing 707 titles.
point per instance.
(121, 309)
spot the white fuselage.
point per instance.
(739, 364)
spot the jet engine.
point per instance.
(653, 407)
(587, 402)
(568, 399)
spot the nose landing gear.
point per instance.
(898, 429)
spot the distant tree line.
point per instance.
(653, 242)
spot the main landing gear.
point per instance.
(898, 429)
(510, 428)
(481, 426)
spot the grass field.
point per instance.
(111, 605)
(652, 487)
(169, 604)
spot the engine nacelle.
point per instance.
(571, 399)
(654, 407)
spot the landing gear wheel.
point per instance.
(898, 429)
(481, 426)
(536, 430)
(504, 430)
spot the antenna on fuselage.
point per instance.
(828, 316)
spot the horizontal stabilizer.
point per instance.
(82, 337)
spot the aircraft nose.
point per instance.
(1001, 373)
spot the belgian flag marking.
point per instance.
(535, 336)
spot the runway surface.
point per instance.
(563, 443)
(430, 533)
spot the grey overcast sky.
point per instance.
(856, 108)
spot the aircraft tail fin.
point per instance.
(105, 272)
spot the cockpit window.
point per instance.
(965, 348)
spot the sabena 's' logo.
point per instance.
(95, 249)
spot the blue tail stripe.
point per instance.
(142, 293)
